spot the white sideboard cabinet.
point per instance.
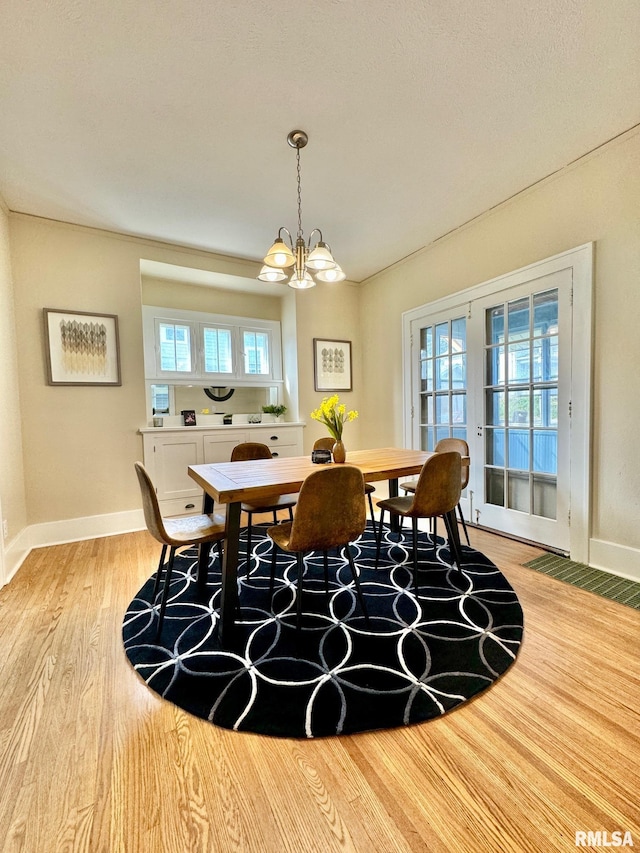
(168, 453)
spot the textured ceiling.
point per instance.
(168, 119)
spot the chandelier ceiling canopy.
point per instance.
(300, 265)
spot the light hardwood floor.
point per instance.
(92, 760)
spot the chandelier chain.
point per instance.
(299, 194)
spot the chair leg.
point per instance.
(379, 536)
(326, 570)
(249, 525)
(299, 593)
(373, 518)
(414, 531)
(165, 592)
(273, 572)
(356, 580)
(464, 525)
(156, 585)
(290, 513)
(454, 538)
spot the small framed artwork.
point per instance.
(82, 348)
(331, 365)
(189, 417)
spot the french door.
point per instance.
(496, 370)
(521, 381)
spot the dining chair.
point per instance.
(437, 493)
(250, 450)
(174, 533)
(443, 446)
(330, 513)
(327, 444)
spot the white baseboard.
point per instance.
(616, 559)
(69, 530)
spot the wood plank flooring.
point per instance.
(92, 760)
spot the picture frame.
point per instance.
(189, 417)
(82, 347)
(332, 365)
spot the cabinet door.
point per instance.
(218, 445)
(172, 455)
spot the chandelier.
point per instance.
(302, 265)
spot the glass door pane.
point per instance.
(521, 404)
(443, 382)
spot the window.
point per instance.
(189, 346)
(218, 350)
(174, 347)
(256, 353)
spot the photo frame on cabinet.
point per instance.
(82, 348)
(331, 365)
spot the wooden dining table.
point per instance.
(233, 483)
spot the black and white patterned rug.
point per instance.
(414, 661)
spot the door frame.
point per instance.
(580, 261)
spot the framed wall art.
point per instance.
(331, 365)
(82, 348)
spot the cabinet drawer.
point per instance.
(181, 506)
(284, 450)
(278, 435)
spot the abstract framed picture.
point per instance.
(331, 365)
(82, 348)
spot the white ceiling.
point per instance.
(168, 119)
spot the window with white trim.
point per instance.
(190, 346)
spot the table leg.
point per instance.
(229, 592)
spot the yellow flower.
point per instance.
(333, 414)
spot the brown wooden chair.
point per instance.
(330, 514)
(327, 444)
(255, 450)
(437, 494)
(176, 533)
(443, 446)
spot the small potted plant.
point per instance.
(277, 411)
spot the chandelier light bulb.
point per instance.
(321, 258)
(301, 282)
(270, 274)
(335, 274)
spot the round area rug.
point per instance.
(413, 660)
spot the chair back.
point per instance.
(330, 511)
(250, 450)
(460, 445)
(324, 443)
(438, 487)
(152, 515)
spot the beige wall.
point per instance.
(192, 297)
(329, 311)
(597, 200)
(12, 491)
